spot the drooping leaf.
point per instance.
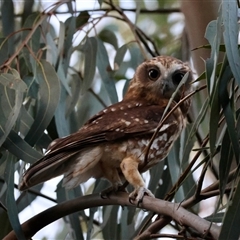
(175, 172)
(230, 228)
(89, 50)
(52, 52)
(119, 56)
(230, 34)
(70, 27)
(3, 50)
(7, 14)
(155, 176)
(104, 71)
(20, 148)
(82, 19)
(75, 84)
(61, 121)
(11, 92)
(229, 114)
(108, 36)
(10, 200)
(49, 97)
(63, 195)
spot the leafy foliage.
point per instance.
(55, 76)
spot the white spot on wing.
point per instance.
(164, 137)
(164, 127)
(127, 123)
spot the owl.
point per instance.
(112, 144)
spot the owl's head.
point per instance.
(157, 79)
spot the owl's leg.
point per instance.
(112, 175)
(129, 167)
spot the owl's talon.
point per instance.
(138, 194)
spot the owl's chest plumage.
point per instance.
(113, 153)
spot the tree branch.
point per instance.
(173, 210)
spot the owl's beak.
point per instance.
(165, 87)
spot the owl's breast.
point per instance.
(137, 146)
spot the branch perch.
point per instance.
(173, 210)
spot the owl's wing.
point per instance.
(117, 122)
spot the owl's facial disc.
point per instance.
(171, 82)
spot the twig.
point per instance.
(28, 37)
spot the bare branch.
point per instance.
(172, 210)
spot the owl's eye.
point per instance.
(177, 77)
(153, 74)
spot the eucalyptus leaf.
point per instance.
(82, 19)
(89, 50)
(105, 72)
(230, 34)
(10, 200)
(21, 149)
(49, 97)
(108, 36)
(230, 228)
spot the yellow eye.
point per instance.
(153, 74)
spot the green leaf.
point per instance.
(215, 217)
(49, 93)
(63, 195)
(164, 184)
(13, 81)
(228, 111)
(230, 34)
(10, 200)
(110, 227)
(7, 14)
(108, 36)
(52, 51)
(136, 56)
(62, 123)
(119, 56)
(75, 84)
(90, 53)
(82, 19)
(11, 91)
(155, 176)
(21, 149)
(70, 27)
(175, 172)
(230, 228)
(104, 71)
(214, 119)
(3, 50)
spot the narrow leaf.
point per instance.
(230, 34)
(82, 19)
(108, 36)
(21, 149)
(104, 70)
(230, 228)
(90, 53)
(10, 200)
(49, 96)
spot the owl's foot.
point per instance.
(138, 194)
(114, 188)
